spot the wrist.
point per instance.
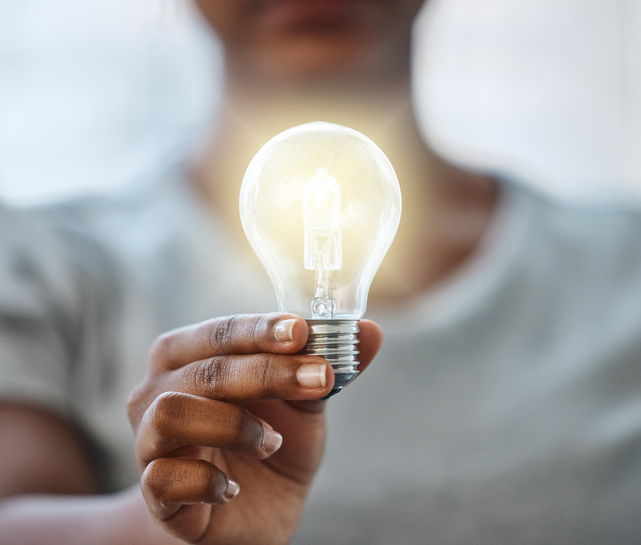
(120, 518)
(130, 513)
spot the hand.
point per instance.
(218, 400)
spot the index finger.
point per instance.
(238, 334)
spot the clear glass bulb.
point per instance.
(320, 204)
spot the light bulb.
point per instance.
(320, 204)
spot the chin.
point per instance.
(318, 60)
(319, 42)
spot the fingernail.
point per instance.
(233, 488)
(284, 330)
(272, 440)
(312, 375)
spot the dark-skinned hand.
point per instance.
(229, 428)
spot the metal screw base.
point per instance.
(335, 340)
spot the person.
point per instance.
(503, 405)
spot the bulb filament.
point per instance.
(322, 245)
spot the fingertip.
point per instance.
(272, 441)
(316, 379)
(371, 334)
(370, 324)
(289, 333)
(330, 378)
(284, 330)
(313, 375)
(371, 340)
(233, 488)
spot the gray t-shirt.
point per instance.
(504, 407)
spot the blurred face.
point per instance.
(308, 39)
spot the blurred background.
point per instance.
(95, 93)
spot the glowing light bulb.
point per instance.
(320, 205)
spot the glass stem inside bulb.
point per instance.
(323, 305)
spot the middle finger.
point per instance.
(256, 377)
(176, 419)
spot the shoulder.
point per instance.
(33, 261)
(117, 225)
(89, 242)
(593, 222)
(579, 265)
(587, 239)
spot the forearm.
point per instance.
(68, 520)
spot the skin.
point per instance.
(215, 391)
(228, 390)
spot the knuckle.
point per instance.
(161, 346)
(268, 372)
(260, 325)
(249, 330)
(134, 402)
(214, 374)
(167, 409)
(222, 334)
(138, 402)
(156, 479)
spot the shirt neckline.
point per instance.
(464, 291)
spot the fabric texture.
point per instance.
(504, 407)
